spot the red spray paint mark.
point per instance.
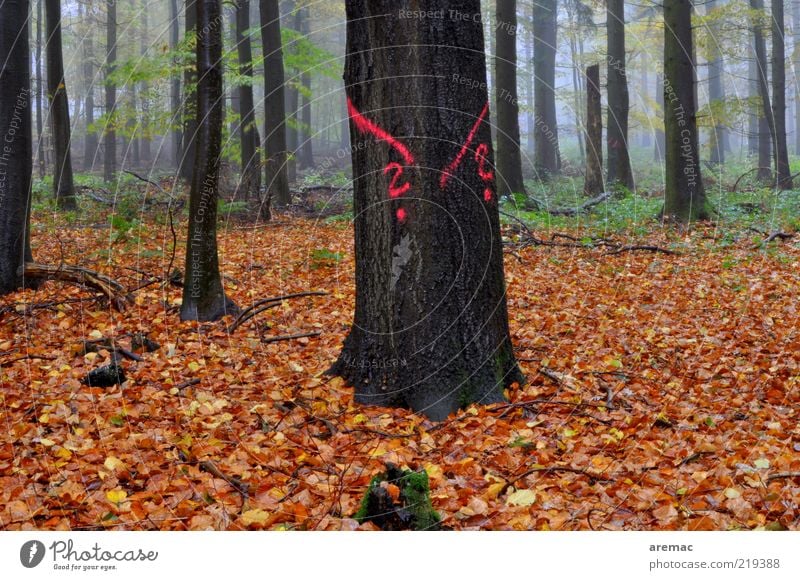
(448, 172)
(396, 189)
(480, 156)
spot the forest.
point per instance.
(391, 265)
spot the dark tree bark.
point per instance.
(251, 160)
(593, 180)
(91, 143)
(547, 158)
(144, 125)
(684, 195)
(619, 163)
(529, 64)
(40, 156)
(276, 176)
(509, 158)
(431, 325)
(110, 134)
(203, 295)
(292, 105)
(716, 91)
(766, 139)
(190, 117)
(306, 153)
(63, 183)
(16, 147)
(796, 65)
(782, 170)
(175, 84)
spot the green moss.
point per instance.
(416, 493)
(363, 511)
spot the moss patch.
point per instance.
(399, 499)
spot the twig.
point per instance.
(269, 339)
(6, 363)
(787, 475)
(239, 485)
(189, 383)
(254, 309)
(748, 172)
(656, 249)
(772, 237)
(77, 275)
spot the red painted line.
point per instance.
(480, 156)
(394, 189)
(487, 194)
(366, 126)
(460, 157)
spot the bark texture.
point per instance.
(110, 135)
(251, 160)
(783, 173)
(547, 158)
(619, 162)
(593, 180)
(431, 325)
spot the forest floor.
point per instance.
(662, 390)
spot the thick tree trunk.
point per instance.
(190, 118)
(276, 176)
(40, 155)
(16, 148)
(203, 294)
(547, 158)
(619, 163)
(593, 180)
(251, 160)
(509, 159)
(63, 183)
(716, 91)
(306, 153)
(431, 328)
(782, 170)
(684, 195)
(766, 138)
(110, 135)
(175, 85)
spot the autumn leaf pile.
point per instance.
(662, 393)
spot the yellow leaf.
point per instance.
(732, 493)
(47, 442)
(193, 366)
(116, 496)
(522, 497)
(256, 516)
(112, 463)
(495, 489)
(63, 453)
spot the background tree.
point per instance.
(766, 139)
(110, 133)
(619, 163)
(251, 160)
(684, 194)
(63, 183)
(276, 175)
(203, 295)
(593, 182)
(40, 155)
(190, 76)
(175, 83)
(716, 90)
(306, 152)
(783, 173)
(91, 143)
(16, 148)
(430, 330)
(509, 159)
(547, 157)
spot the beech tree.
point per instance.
(766, 138)
(619, 162)
(63, 183)
(782, 171)
(16, 143)
(110, 134)
(203, 295)
(684, 194)
(547, 157)
(190, 115)
(248, 133)
(593, 181)
(431, 327)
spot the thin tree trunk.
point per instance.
(509, 158)
(16, 150)
(306, 154)
(40, 155)
(277, 179)
(63, 184)
(431, 326)
(796, 67)
(766, 125)
(175, 85)
(593, 180)
(144, 139)
(684, 195)
(716, 91)
(619, 163)
(92, 143)
(756, 113)
(110, 135)
(660, 142)
(203, 295)
(190, 118)
(292, 104)
(530, 124)
(782, 170)
(251, 160)
(577, 91)
(547, 158)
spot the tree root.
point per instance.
(112, 289)
(265, 304)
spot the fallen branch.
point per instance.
(787, 475)
(555, 469)
(108, 344)
(656, 249)
(772, 237)
(113, 290)
(748, 172)
(236, 483)
(265, 304)
(269, 339)
(573, 211)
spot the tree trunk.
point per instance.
(203, 296)
(190, 118)
(716, 91)
(796, 67)
(431, 325)
(660, 142)
(547, 158)
(306, 154)
(619, 163)
(509, 158)
(782, 170)
(144, 124)
(16, 148)
(576, 85)
(40, 156)
(766, 124)
(593, 180)
(251, 160)
(91, 143)
(277, 178)
(684, 195)
(63, 184)
(110, 135)
(175, 84)
(529, 122)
